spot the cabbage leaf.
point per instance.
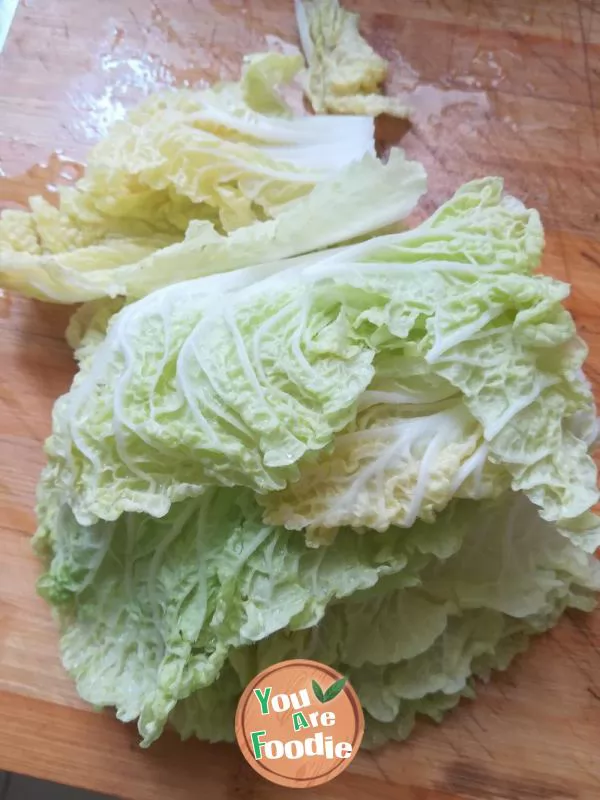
(167, 620)
(344, 73)
(360, 199)
(227, 156)
(245, 380)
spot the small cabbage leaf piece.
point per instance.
(360, 199)
(344, 74)
(88, 325)
(167, 619)
(263, 74)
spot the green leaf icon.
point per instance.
(334, 689)
(332, 692)
(318, 692)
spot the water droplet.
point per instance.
(431, 101)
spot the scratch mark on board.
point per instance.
(586, 63)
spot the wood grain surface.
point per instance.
(506, 87)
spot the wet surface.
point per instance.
(496, 90)
(118, 71)
(40, 179)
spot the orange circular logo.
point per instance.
(299, 723)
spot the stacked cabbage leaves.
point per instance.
(377, 456)
(298, 429)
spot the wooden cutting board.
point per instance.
(507, 87)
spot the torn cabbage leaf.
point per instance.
(201, 385)
(88, 325)
(227, 156)
(360, 199)
(211, 150)
(344, 74)
(167, 619)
